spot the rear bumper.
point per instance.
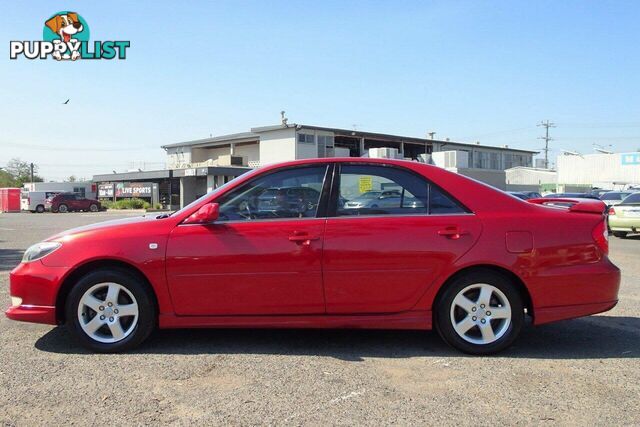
(577, 291)
(616, 223)
(36, 286)
(553, 314)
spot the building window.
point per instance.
(305, 138)
(486, 160)
(325, 146)
(80, 191)
(513, 160)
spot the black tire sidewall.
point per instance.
(39, 209)
(91, 208)
(146, 310)
(443, 308)
(66, 208)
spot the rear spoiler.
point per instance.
(574, 205)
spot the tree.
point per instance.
(20, 171)
(6, 179)
(72, 178)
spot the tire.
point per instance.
(93, 207)
(63, 208)
(504, 315)
(132, 314)
(39, 209)
(620, 234)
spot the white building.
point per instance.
(198, 166)
(523, 178)
(614, 171)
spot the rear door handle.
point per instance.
(302, 238)
(452, 233)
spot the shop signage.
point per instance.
(105, 190)
(134, 189)
(630, 159)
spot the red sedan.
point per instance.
(448, 253)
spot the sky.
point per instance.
(485, 71)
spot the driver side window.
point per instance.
(290, 193)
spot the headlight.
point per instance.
(40, 250)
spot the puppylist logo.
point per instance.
(66, 37)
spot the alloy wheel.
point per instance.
(480, 314)
(108, 312)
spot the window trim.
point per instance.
(332, 208)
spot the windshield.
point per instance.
(634, 198)
(614, 196)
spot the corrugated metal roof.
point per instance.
(205, 141)
(375, 135)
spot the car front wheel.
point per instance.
(93, 208)
(480, 313)
(110, 311)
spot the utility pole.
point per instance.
(31, 167)
(546, 138)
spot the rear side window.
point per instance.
(382, 190)
(440, 203)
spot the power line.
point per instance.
(83, 149)
(546, 138)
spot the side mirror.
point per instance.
(206, 214)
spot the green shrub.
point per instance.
(127, 204)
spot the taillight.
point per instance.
(600, 236)
(612, 211)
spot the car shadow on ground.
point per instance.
(596, 337)
(9, 258)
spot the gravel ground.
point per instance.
(579, 372)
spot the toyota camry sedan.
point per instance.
(468, 260)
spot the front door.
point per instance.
(382, 253)
(262, 257)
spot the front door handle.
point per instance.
(303, 239)
(452, 233)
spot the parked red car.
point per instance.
(469, 261)
(67, 202)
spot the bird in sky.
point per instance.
(67, 101)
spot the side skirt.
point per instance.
(407, 320)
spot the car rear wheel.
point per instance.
(110, 311)
(40, 209)
(480, 312)
(620, 234)
(63, 208)
(93, 208)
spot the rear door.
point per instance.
(382, 259)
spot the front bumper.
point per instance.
(37, 286)
(32, 313)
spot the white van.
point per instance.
(34, 200)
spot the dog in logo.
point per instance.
(66, 26)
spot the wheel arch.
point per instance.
(520, 286)
(107, 264)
